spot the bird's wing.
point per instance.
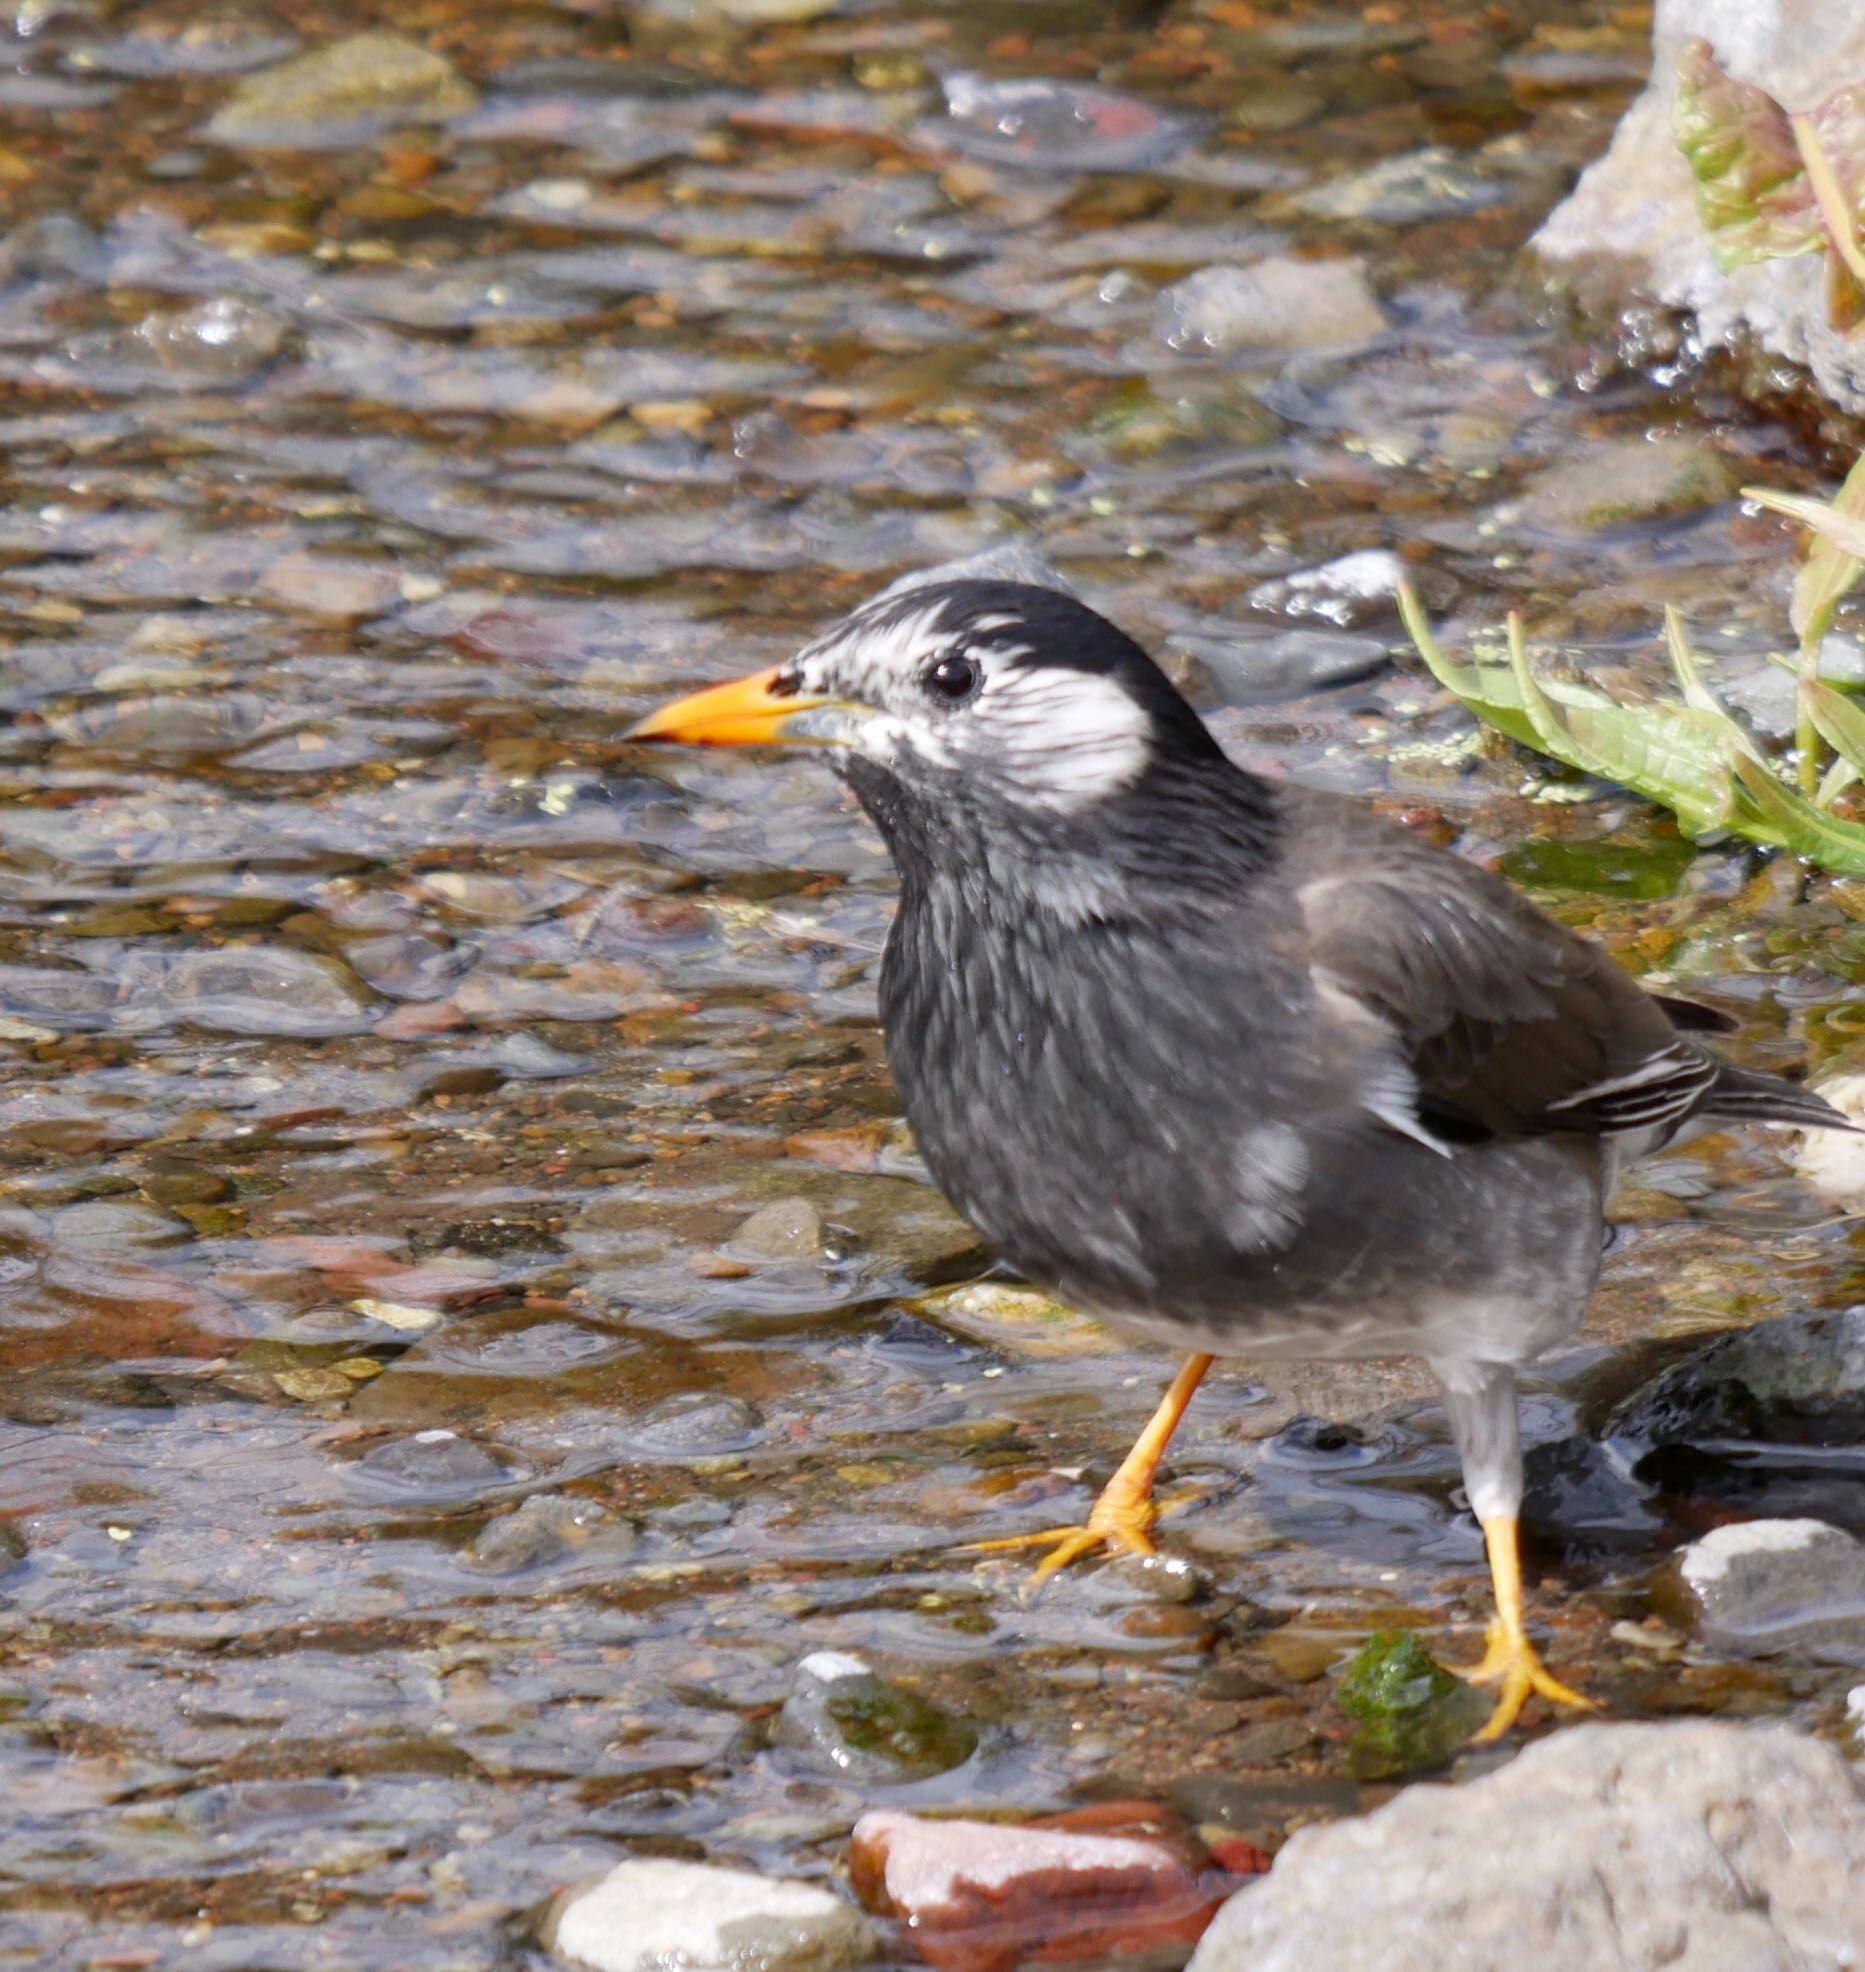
(1507, 1023)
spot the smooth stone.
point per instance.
(1694, 1845)
(1342, 592)
(977, 1893)
(1628, 479)
(785, 1229)
(543, 1528)
(1250, 670)
(1279, 303)
(1833, 1161)
(1631, 228)
(1581, 1491)
(649, 1914)
(845, 1721)
(1762, 1586)
(1403, 191)
(364, 83)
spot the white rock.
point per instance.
(1832, 1162)
(651, 1915)
(1766, 1586)
(1637, 205)
(1279, 303)
(1707, 1562)
(1693, 1846)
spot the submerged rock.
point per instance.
(1796, 1381)
(1760, 1586)
(544, 1527)
(650, 1913)
(1279, 303)
(1630, 479)
(1057, 126)
(982, 1897)
(1632, 230)
(335, 95)
(1409, 1712)
(1617, 1848)
(785, 1229)
(844, 1720)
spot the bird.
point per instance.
(1233, 1064)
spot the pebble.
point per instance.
(1579, 1490)
(339, 94)
(846, 1722)
(1628, 479)
(1832, 1161)
(1761, 1586)
(544, 1527)
(698, 1424)
(1404, 191)
(1342, 592)
(1063, 126)
(1279, 303)
(429, 1466)
(650, 1913)
(978, 1893)
(270, 989)
(785, 1229)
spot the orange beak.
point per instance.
(747, 712)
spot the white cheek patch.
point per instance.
(1060, 739)
(1047, 737)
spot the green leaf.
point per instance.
(1823, 839)
(1829, 571)
(1834, 782)
(1679, 755)
(1486, 689)
(1846, 531)
(1753, 194)
(1839, 124)
(1841, 724)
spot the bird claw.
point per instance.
(1118, 1523)
(1514, 1663)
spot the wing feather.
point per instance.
(1510, 1024)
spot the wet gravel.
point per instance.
(470, 1323)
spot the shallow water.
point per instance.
(394, 1059)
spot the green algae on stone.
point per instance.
(1412, 1713)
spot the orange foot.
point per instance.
(1122, 1520)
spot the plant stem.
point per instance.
(1829, 194)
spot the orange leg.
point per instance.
(1124, 1514)
(1510, 1660)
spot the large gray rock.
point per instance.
(1634, 217)
(1692, 1846)
(1799, 1380)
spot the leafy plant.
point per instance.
(1690, 754)
(1772, 183)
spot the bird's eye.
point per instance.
(953, 678)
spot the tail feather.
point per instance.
(1748, 1096)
